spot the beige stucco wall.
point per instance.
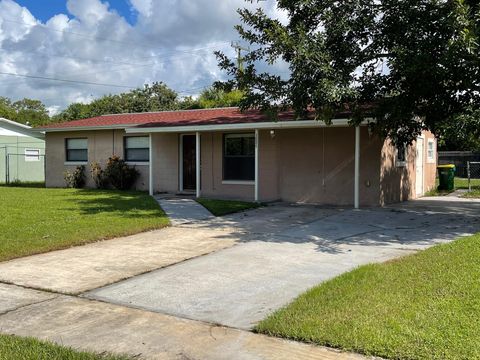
(212, 169)
(102, 144)
(296, 165)
(317, 166)
(165, 162)
(398, 183)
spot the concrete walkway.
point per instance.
(183, 210)
(87, 267)
(257, 261)
(96, 326)
(285, 250)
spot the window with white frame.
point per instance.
(239, 157)
(401, 155)
(431, 151)
(32, 155)
(137, 148)
(76, 150)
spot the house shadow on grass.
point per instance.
(125, 204)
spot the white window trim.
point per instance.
(137, 163)
(431, 160)
(238, 182)
(30, 157)
(75, 163)
(232, 136)
(401, 163)
(125, 150)
(67, 162)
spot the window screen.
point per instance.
(137, 148)
(76, 150)
(239, 157)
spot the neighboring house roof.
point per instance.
(13, 128)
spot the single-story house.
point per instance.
(226, 153)
(22, 152)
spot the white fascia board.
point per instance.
(85, 128)
(20, 129)
(244, 126)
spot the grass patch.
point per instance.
(224, 207)
(40, 220)
(14, 348)
(474, 194)
(31, 184)
(460, 183)
(423, 306)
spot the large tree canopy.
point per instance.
(154, 97)
(416, 61)
(25, 111)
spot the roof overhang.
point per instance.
(85, 128)
(243, 126)
(21, 128)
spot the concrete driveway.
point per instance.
(283, 250)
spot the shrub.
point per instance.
(98, 176)
(120, 176)
(76, 179)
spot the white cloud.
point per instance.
(172, 41)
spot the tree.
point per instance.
(214, 97)
(413, 65)
(154, 97)
(25, 111)
(6, 109)
(462, 134)
(31, 112)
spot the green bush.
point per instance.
(119, 175)
(98, 176)
(76, 179)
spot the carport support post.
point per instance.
(197, 163)
(257, 140)
(150, 165)
(357, 168)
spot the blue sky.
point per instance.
(45, 9)
(114, 48)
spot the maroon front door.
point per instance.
(189, 169)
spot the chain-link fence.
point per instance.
(28, 167)
(473, 175)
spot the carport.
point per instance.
(248, 189)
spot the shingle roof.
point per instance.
(174, 118)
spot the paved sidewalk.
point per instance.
(87, 267)
(100, 327)
(183, 211)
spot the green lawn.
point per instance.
(17, 348)
(423, 306)
(474, 194)
(34, 220)
(460, 183)
(224, 207)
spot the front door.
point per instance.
(419, 167)
(188, 162)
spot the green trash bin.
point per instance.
(446, 175)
